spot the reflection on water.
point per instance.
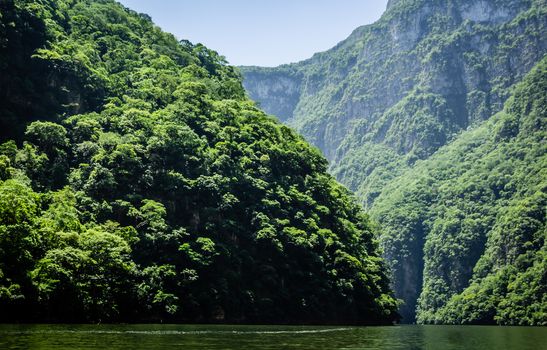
(269, 337)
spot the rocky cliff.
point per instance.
(454, 60)
(396, 91)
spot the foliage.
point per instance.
(147, 187)
(477, 209)
(392, 95)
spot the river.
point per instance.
(152, 336)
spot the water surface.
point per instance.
(113, 337)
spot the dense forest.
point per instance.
(139, 183)
(406, 111)
(477, 209)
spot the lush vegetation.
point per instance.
(479, 204)
(392, 95)
(449, 64)
(138, 183)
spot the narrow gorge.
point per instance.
(427, 116)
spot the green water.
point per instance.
(155, 337)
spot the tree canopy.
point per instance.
(139, 183)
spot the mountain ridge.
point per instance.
(395, 92)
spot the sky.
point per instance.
(261, 32)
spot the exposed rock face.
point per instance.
(396, 91)
(485, 11)
(427, 46)
(279, 90)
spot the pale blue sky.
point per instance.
(261, 32)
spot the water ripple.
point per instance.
(175, 332)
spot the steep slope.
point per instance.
(397, 90)
(394, 93)
(475, 213)
(145, 186)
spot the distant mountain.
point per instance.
(138, 183)
(394, 93)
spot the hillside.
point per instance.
(139, 184)
(393, 94)
(474, 217)
(395, 91)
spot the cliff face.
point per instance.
(396, 91)
(471, 220)
(465, 53)
(277, 89)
